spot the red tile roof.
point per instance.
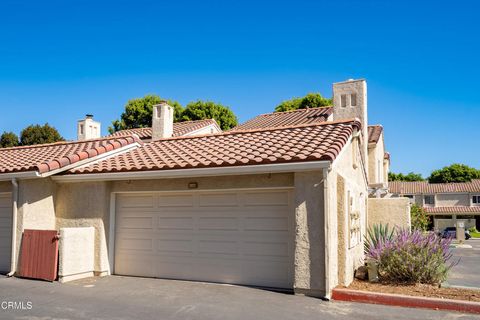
(374, 133)
(248, 147)
(47, 157)
(419, 187)
(386, 156)
(179, 129)
(452, 210)
(288, 118)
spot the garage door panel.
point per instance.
(176, 201)
(217, 237)
(175, 223)
(136, 201)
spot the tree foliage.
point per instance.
(9, 139)
(419, 218)
(454, 173)
(138, 113)
(405, 177)
(37, 134)
(311, 100)
(199, 110)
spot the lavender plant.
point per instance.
(413, 257)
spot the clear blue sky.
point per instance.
(62, 59)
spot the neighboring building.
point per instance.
(445, 202)
(378, 162)
(280, 201)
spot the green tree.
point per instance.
(454, 173)
(405, 177)
(311, 100)
(37, 134)
(199, 110)
(9, 139)
(419, 218)
(138, 113)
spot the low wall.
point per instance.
(76, 253)
(394, 211)
(441, 224)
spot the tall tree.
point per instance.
(311, 100)
(405, 177)
(9, 139)
(138, 113)
(37, 134)
(200, 110)
(454, 173)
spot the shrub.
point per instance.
(420, 219)
(413, 257)
(473, 230)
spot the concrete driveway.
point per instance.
(118, 298)
(467, 272)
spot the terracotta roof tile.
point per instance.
(423, 187)
(47, 157)
(374, 133)
(179, 129)
(288, 118)
(451, 210)
(247, 147)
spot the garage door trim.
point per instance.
(113, 200)
(3, 194)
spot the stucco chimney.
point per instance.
(162, 121)
(350, 101)
(88, 128)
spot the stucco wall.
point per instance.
(440, 224)
(452, 199)
(346, 179)
(309, 234)
(376, 168)
(394, 211)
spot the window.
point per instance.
(429, 200)
(353, 100)
(81, 129)
(476, 200)
(410, 196)
(343, 100)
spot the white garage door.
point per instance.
(5, 231)
(240, 237)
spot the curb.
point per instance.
(405, 301)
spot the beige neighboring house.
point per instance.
(280, 201)
(447, 203)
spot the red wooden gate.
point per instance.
(39, 255)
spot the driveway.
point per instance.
(467, 272)
(119, 298)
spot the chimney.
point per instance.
(88, 128)
(350, 101)
(162, 121)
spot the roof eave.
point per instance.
(197, 172)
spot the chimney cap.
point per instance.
(89, 116)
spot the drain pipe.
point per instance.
(14, 227)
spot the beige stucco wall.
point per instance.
(309, 234)
(394, 211)
(376, 165)
(344, 255)
(452, 199)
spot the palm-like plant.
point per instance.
(378, 233)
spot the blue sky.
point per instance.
(62, 59)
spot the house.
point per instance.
(280, 201)
(446, 203)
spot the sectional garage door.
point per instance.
(241, 237)
(5, 231)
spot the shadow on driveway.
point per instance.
(467, 272)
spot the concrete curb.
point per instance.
(405, 301)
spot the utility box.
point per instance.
(76, 253)
(460, 225)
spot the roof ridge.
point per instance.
(58, 143)
(375, 125)
(354, 121)
(292, 111)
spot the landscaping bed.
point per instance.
(422, 290)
